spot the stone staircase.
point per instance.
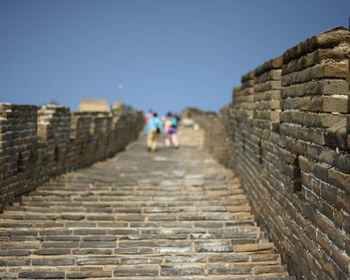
(173, 214)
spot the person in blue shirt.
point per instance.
(154, 126)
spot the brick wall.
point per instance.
(37, 143)
(286, 135)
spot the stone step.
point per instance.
(155, 207)
(176, 217)
(144, 273)
(205, 226)
(162, 245)
(41, 201)
(127, 217)
(78, 241)
(155, 269)
(170, 185)
(105, 257)
(140, 198)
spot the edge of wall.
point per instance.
(39, 142)
(287, 136)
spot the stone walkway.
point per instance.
(173, 214)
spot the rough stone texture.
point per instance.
(37, 143)
(173, 214)
(293, 155)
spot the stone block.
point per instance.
(247, 77)
(141, 260)
(98, 260)
(339, 53)
(228, 269)
(54, 262)
(52, 251)
(325, 104)
(133, 251)
(273, 269)
(268, 86)
(319, 71)
(339, 179)
(275, 63)
(310, 119)
(342, 161)
(327, 39)
(181, 270)
(272, 75)
(42, 274)
(150, 270)
(230, 258)
(253, 247)
(88, 274)
(268, 95)
(10, 262)
(337, 104)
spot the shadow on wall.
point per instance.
(37, 143)
(287, 136)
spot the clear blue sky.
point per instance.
(159, 54)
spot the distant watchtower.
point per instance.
(94, 105)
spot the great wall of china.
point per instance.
(286, 135)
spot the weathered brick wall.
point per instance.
(37, 143)
(18, 127)
(286, 135)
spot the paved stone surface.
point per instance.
(172, 214)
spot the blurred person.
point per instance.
(148, 116)
(153, 127)
(170, 128)
(177, 117)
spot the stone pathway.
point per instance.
(173, 214)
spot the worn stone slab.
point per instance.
(123, 219)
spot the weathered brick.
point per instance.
(181, 270)
(60, 244)
(185, 259)
(277, 269)
(98, 261)
(327, 39)
(213, 246)
(253, 247)
(14, 252)
(88, 274)
(13, 262)
(92, 251)
(134, 251)
(53, 262)
(57, 251)
(320, 71)
(231, 258)
(151, 270)
(134, 261)
(228, 269)
(42, 274)
(339, 179)
(320, 56)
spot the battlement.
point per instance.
(38, 142)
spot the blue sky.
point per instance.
(159, 54)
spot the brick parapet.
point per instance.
(286, 135)
(37, 143)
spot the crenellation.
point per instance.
(40, 142)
